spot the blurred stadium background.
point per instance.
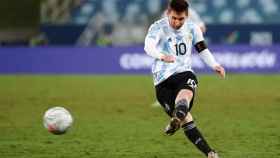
(88, 55)
(125, 22)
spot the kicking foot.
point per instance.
(172, 127)
(213, 154)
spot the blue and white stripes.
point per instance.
(171, 42)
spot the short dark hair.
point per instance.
(179, 5)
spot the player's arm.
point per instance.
(209, 59)
(151, 42)
(151, 50)
(205, 53)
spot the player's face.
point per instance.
(176, 19)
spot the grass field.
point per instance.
(114, 118)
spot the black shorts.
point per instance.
(166, 92)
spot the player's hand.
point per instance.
(168, 58)
(220, 70)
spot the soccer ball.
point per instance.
(57, 120)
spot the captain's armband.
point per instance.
(200, 46)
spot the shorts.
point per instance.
(166, 92)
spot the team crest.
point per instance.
(189, 37)
(169, 39)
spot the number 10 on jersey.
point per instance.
(181, 49)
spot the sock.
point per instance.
(196, 138)
(181, 109)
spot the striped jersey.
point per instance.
(172, 42)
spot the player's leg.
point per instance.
(180, 111)
(165, 96)
(183, 93)
(182, 103)
(194, 135)
(188, 125)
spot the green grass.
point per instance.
(114, 118)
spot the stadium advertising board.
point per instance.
(128, 60)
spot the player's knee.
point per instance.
(189, 93)
(184, 94)
(181, 109)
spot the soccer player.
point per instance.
(194, 17)
(169, 41)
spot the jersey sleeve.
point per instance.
(151, 41)
(154, 32)
(197, 34)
